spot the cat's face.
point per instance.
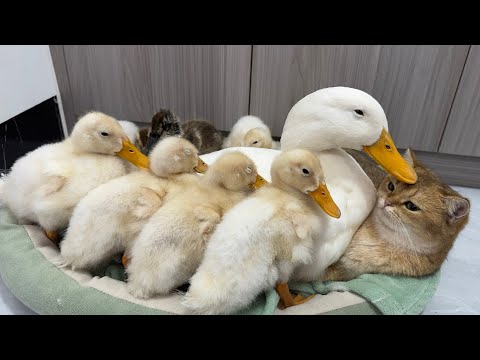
(425, 216)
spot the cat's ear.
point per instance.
(410, 157)
(458, 207)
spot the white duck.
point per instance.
(261, 239)
(324, 122)
(109, 217)
(44, 185)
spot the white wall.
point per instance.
(27, 78)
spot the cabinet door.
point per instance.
(133, 82)
(462, 133)
(414, 84)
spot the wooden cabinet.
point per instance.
(430, 93)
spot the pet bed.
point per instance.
(27, 268)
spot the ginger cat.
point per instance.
(411, 229)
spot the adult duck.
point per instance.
(325, 122)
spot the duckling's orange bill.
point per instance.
(324, 199)
(387, 156)
(130, 153)
(259, 182)
(201, 167)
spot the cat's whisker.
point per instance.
(406, 235)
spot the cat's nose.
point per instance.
(382, 202)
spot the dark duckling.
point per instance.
(164, 123)
(200, 133)
(203, 135)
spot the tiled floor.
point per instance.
(458, 292)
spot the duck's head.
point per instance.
(257, 137)
(300, 169)
(174, 155)
(349, 118)
(99, 133)
(164, 123)
(234, 171)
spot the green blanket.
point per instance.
(47, 290)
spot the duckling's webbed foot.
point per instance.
(286, 298)
(53, 236)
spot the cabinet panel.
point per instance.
(462, 133)
(133, 82)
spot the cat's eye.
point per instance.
(390, 186)
(359, 112)
(411, 206)
(255, 142)
(305, 171)
(103, 133)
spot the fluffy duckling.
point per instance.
(249, 131)
(164, 123)
(130, 129)
(44, 186)
(263, 238)
(171, 245)
(105, 221)
(203, 135)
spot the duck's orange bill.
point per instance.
(387, 156)
(259, 182)
(130, 153)
(201, 167)
(324, 199)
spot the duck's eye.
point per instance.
(359, 112)
(103, 133)
(167, 126)
(255, 142)
(390, 186)
(411, 206)
(305, 171)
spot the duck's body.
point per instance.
(107, 220)
(349, 186)
(262, 239)
(171, 245)
(323, 122)
(44, 185)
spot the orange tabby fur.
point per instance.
(382, 245)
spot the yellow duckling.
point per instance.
(263, 238)
(106, 221)
(44, 186)
(170, 247)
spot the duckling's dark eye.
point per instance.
(411, 206)
(167, 127)
(390, 186)
(103, 133)
(305, 171)
(359, 112)
(255, 142)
